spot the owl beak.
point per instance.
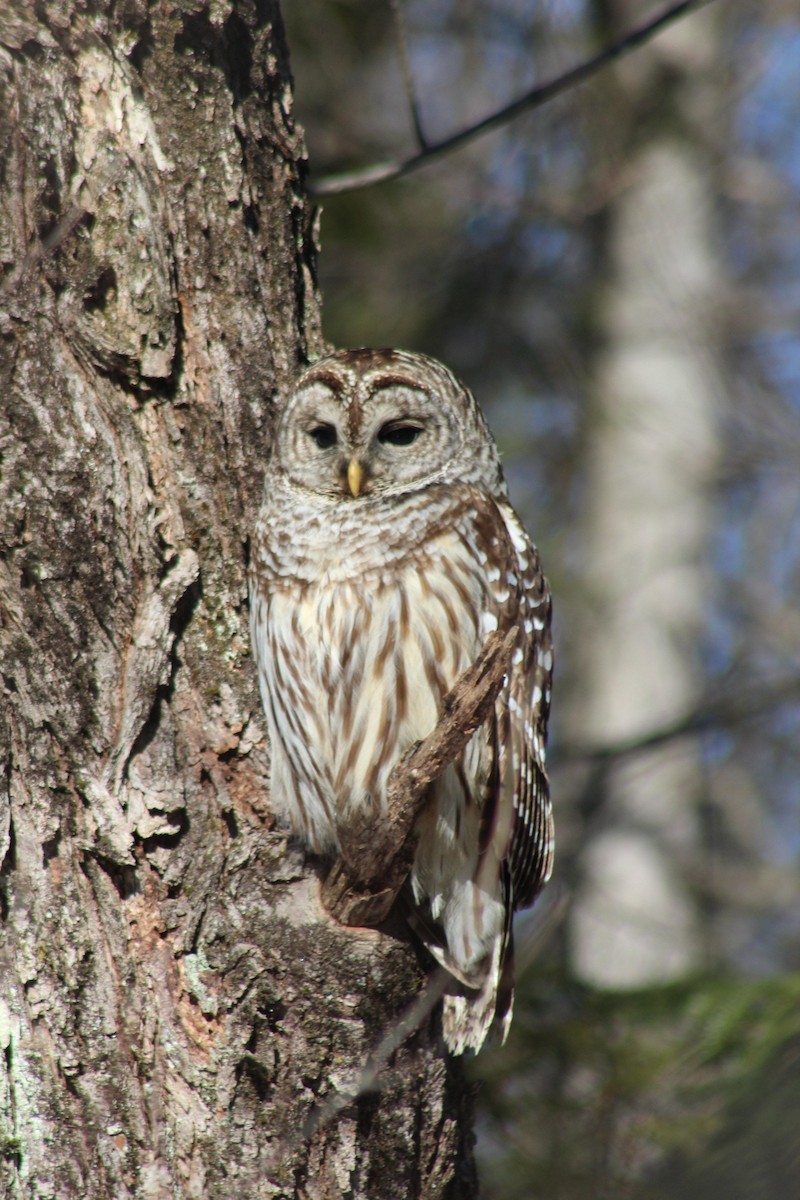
(355, 476)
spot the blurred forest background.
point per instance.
(617, 277)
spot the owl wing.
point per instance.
(515, 847)
(517, 819)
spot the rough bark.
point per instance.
(175, 1002)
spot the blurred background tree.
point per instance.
(616, 277)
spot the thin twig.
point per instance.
(545, 919)
(42, 248)
(350, 181)
(405, 67)
(366, 1078)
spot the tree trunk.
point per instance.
(175, 1004)
(651, 462)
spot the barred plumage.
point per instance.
(384, 554)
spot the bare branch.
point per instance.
(712, 715)
(351, 181)
(405, 66)
(377, 851)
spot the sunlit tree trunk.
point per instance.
(651, 448)
(174, 1003)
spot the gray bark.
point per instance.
(175, 1002)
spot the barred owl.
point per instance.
(385, 553)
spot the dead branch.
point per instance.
(377, 851)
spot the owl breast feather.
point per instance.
(354, 675)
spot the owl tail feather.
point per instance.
(478, 1004)
(470, 1015)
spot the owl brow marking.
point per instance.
(328, 379)
(385, 381)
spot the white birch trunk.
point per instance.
(651, 456)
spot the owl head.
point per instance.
(361, 425)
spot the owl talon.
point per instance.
(349, 905)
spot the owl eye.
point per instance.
(324, 436)
(399, 433)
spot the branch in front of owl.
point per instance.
(377, 853)
(351, 181)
